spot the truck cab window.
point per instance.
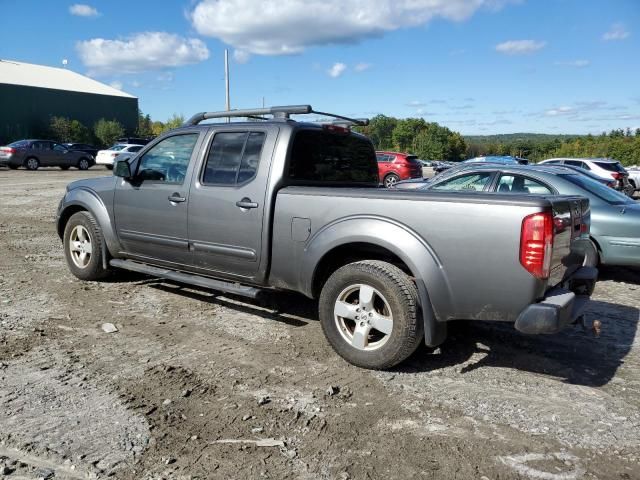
(233, 158)
(168, 160)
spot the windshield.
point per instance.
(116, 148)
(318, 156)
(601, 191)
(610, 166)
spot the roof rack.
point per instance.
(282, 112)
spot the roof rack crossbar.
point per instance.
(277, 112)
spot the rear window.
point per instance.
(611, 166)
(19, 144)
(414, 160)
(318, 156)
(607, 194)
(116, 148)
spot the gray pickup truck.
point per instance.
(276, 204)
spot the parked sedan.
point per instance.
(83, 147)
(107, 157)
(603, 167)
(615, 218)
(33, 154)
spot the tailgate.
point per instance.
(571, 219)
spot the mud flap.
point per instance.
(435, 333)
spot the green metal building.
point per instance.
(31, 94)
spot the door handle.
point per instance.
(246, 203)
(176, 198)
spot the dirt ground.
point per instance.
(200, 385)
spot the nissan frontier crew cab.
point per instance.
(276, 204)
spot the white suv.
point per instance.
(605, 168)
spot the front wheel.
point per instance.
(391, 180)
(83, 164)
(369, 313)
(83, 247)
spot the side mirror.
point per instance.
(122, 169)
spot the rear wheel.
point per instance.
(390, 180)
(369, 314)
(32, 163)
(83, 164)
(83, 247)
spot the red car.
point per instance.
(393, 167)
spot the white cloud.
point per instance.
(140, 52)
(416, 104)
(617, 32)
(81, 10)
(519, 47)
(241, 56)
(575, 63)
(117, 84)
(284, 27)
(565, 110)
(135, 84)
(361, 67)
(337, 69)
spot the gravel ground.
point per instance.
(199, 385)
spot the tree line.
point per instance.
(431, 141)
(427, 140)
(105, 132)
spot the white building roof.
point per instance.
(28, 74)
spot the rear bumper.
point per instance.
(561, 306)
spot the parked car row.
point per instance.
(615, 218)
(33, 153)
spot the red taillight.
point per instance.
(616, 175)
(8, 149)
(536, 244)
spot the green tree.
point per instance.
(174, 122)
(144, 125)
(60, 129)
(79, 132)
(405, 133)
(380, 131)
(108, 131)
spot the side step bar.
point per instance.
(188, 278)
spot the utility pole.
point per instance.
(226, 82)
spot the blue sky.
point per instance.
(476, 66)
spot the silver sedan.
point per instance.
(615, 218)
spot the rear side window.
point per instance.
(577, 163)
(473, 182)
(413, 160)
(233, 158)
(520, 184)
(610, 166)
(318, 156)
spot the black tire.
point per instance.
(32, 163)
(401, 296)
(109, 167)
(84, 164)
(390, 180)
(64, 167)
(93, 270)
